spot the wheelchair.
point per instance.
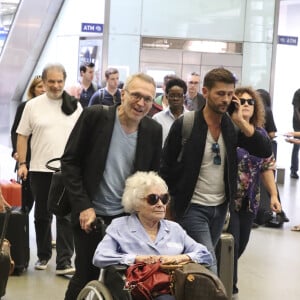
(110, 285)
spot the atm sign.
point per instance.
(92, 27)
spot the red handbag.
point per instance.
(146, 281)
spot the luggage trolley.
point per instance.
(110, 285)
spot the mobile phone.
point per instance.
(231, 108)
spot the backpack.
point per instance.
(187, 126)
(101, 95)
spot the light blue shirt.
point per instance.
(166, 119)
(126, 238)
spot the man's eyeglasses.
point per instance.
(153, 199)
(249, 101)
(193, 82)
(216, 149)
(175, 96)
(137, 97)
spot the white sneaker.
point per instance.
(41, 264)
(65, 270)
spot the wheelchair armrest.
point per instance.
(117, 268)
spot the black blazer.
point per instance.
(84, 158)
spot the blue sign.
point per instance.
(288, 40)
(92, 27)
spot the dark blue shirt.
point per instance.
(103, 97)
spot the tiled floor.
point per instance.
(269, 269)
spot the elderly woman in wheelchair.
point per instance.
(145, 235)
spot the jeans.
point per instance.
(295, 158)
(40, 184)
(205, 224)
(240, 225)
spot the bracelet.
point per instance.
(22, 163)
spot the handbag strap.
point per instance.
(5, 223)
(48, 164)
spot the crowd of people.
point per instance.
(120, 162)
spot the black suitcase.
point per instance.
(18, 235)
(224, 254)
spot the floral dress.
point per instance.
(249, 169)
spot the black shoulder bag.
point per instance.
(58, 200)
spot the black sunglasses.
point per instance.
(152, 199)
(216, 149)
(249, 101)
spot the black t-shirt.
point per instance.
(270, 123)
(86, 95)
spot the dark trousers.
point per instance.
(85, 246)
(295, 158)
(64, 241)
(40, 184)
(240, 225)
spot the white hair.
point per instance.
(136, 187)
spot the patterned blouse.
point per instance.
(249, 169)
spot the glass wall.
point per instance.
(77, 32)
(250, 22)
(286, 75)
(8, 9)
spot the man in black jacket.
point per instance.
(106, 146)
(204, 181)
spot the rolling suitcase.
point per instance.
(12, 192)
(18, 235)
(224, 254)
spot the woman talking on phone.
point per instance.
(251, 170)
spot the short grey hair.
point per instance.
(54, 66)
(142, 76)
(136, 187)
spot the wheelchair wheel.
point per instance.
(94, 290)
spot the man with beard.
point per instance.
(49, 119)
(203, 182)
